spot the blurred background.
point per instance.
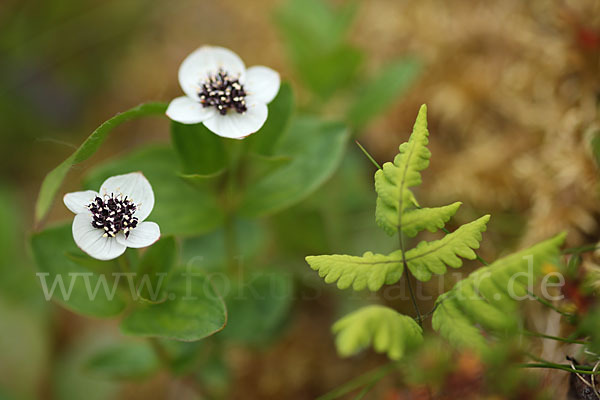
(513, 90)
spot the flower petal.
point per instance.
(207, 60)
(77, 201)
(187, 111)
(136, 187)
(142, 235)
(237, 126)
(90, 239)
(262, 83)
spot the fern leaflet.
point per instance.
(389, 331)
(488, 296)
(393, 181)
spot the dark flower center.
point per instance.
(223, 92)
(113, 214)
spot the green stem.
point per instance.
(365, 390)
(375, 163)
(123, 263)
(557, 338)
(408, 279)
(235, 153)
(368, 378)
(549, 305)
(582, 249)
(160, 351)
(562, 367)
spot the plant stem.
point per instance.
(370, 157)
(231, 250)
(368, 378)
(582, 249)
(123, 263)
(557, 338)
(557, 366)
(408, 279)
(549, 305)
(235, 153)
(160, 351)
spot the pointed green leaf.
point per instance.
(315, 149)
(193, 310)
(393, 181)
(180, 209)
(54, 179)
(258, 306)
(380, 92)
(369, 271)
(429, 258)
(200, 151)
(154, 268)
(488, 297)
(280, 112)
(127, 360)
(75, 286)
(388, 331)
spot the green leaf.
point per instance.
(487, 297)
(419, 219)
(128, 360)
(315, 148)
(315, 37)
(154, 268)
(200, 151)
(193, 310)
(280, 111)
(432, 257)
(369, 271)
(312, 26)
(392, 183)
(77, 287)
(54, 179)
(258, 306)
(327, 73)
(379, 93)
(389, 331)
(180, 209)
(209, 252)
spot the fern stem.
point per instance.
(412, 297)
(557, 338)
(549, 305)
(582, 249)
(408, 279)
(563, 367)
(366, 379)
(365, 390)
(370, 157)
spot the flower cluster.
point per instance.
(221, 93)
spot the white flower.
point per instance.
(220, 92)
(108, 222)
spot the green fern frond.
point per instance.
(370, 270)
(393, 181)
(388, 331)
(488, 297)
(429, 258)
